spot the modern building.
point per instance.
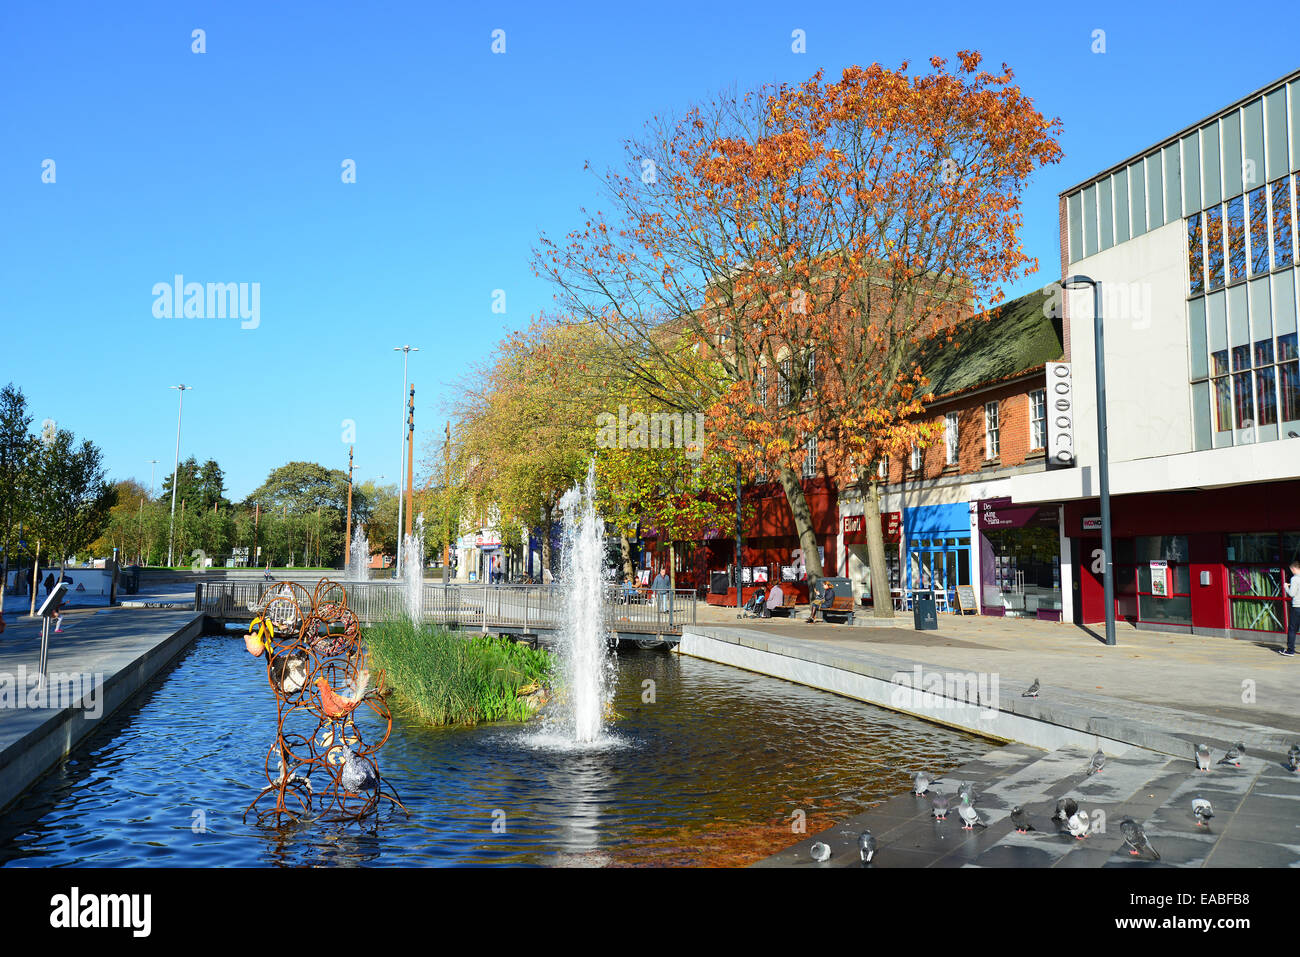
(1193, 242)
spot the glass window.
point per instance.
(1266, 395)
(1038, 419)
(810, 457)
(1288, 378)
(1214, 245)
(992, 443)
(1258, 232)
(950, 426)
(1222, 391)
(1282, 248)
(1243, 397)
(916, 458)
(1236, 239)
(1195, 255)
(783, 383)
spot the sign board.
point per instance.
(53, 600)
(1092, 523)
(995, 513)
(1060, 416)
(1160, 579)
(966, 600)
(855, 529)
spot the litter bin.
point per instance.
(924, 615)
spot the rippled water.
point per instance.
(709, 773)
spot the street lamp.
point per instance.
(406, 354)
(182, 389)
(1103, 452)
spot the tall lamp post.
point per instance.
(406, 354)
(171, 527)
(1103, 452)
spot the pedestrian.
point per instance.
(661, 586)
(49, 584)
(1293, 611)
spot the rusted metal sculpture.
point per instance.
(331, 721)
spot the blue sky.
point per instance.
(225, 167)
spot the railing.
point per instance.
(514, 607)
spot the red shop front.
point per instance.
(1203, 561)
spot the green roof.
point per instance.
(1015, 338)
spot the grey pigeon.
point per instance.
(1293, 758)
(1078, 824)
(1136, 838)
(1020, 820)
(921, 783)
(1098, 762)
(1066, 808)
(1031, 691)
(1234, 754)
(866, 846)
(1203, 757)
(969, 816)
(357, 774)
(940, 807)
(820, 852)
(966, 791)
(1202, 810)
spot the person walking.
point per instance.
(49, 584)
(660, 587)
(1293, 610)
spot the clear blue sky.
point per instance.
(225, 167)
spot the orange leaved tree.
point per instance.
(811, 240)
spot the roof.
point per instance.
(1016, 338)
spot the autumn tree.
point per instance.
(810, 241)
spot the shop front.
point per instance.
(1203, 561)
(1020, 559)
(857, 561)
(937, 553)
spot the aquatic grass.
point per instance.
(449, 678)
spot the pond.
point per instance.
(708, 772)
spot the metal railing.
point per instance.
(514, 607)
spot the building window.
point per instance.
(1288, 377)
(950, 438)
(1257, 570)
(1258, 232)
(882, 470)
(760, 385)
(1222, 391)
(1282, 248)
(1195, 255)
(811, 370)
(1236, 239)
(992, 443)
(1243, 395)
(1038, 419)
(783, 383)
(1214, 245)
(916, 458)
(810, 457)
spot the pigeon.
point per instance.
(940, 807)
(1293, 758)
(1020, 820)
(1202, 810)
(966, 791)
(1098, 762)
(1136, 838)
(1203, 757)
(1031, 691)
(1066, 808)
(1234, 754)
(1078, 824)
(866, 846)
(820, 852)
(970, 817)
(921, 783)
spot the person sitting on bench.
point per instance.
(826, 601)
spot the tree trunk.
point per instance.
(36, 574)
(626, 547)
(802, 516)
(882, 604)
(546, 540)
(672, 566)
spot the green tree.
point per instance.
(18, 449)
(73, 497)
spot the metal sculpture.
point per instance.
(321, 766)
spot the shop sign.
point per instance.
(998, 513)
(855, 528)
(1060, 416)
(1092, 523)
(1160, 579)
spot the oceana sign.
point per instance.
(1060, 416)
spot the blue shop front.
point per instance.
(937, 548)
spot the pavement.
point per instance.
(96, 663)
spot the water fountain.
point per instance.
(413, 571)
(585, 665)
(358, 562)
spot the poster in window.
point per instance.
(760, 575)
(1160, 579)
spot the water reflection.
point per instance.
(709, 772)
